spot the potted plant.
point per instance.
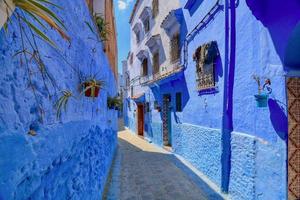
(263, 95)
(114, 103)
(91, 87)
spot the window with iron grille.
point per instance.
(155, 8)
(156, 63)
(205, 58)
(178, 102)
(146, 23)
(175, 48)
(145, 67)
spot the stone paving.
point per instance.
(142, 171)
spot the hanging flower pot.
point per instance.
(114, 103)
(262, 100)
(263, 92)
(92, 88)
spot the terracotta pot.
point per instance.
(88, 93)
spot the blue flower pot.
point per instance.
(262, 100)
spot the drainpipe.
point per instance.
(229, 69)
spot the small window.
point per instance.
(155, 8)
(138, 37)
(156, 63)
(175, 48)
(145, 67)
(131, 58)
(146, 23)
(205, 58)
(131, 91)
(178, 102)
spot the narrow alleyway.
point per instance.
(143, 171)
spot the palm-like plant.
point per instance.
(38, 10)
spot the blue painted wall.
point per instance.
(69, 158)
(258, 139)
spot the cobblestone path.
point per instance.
(142, 171)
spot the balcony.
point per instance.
(164, 73)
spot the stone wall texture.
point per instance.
(70, 157)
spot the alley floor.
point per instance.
(142, 171)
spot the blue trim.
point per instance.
(189, 4)
(141, 99)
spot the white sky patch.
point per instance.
(123, 4)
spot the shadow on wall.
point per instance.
(195, 7)
(279, 17)
(172, 87)
(278, 118)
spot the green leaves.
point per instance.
(38, 10)
(38, 32)
(102, 27)
(62, 102)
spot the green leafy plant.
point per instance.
(102, 27)
(266, 85)
(39, 11)
(62, 102)
(114, 102)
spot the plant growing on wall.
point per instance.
(38, 10)
(263, 92)
(28, 12)
(101, 25)
(114, 103)
(62, 102)
(91, 87)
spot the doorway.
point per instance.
(140, 119)
(293, 94)
(166, 118)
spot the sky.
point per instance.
(123, 10)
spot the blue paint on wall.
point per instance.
(257, 135)
(69, 158)
(203, 149)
